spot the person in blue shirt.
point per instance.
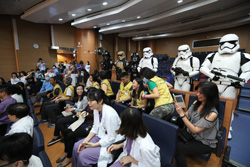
(55, 69)
(39, 75)
(46, 88)
(80, 66)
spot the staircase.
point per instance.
(244, 98)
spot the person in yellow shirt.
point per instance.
(105, 85)
(159, 91)
(93, 80)
(125, 88)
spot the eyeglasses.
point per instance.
(198, 92)
(12, 163)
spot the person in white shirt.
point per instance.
(87, 67)
(23, 77)
(14, 79)
(16, 150)
(41, 65)
(15, 92)
(138, 149)
(19, 114)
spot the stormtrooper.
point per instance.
(148, 60)
(121, 64)
(107, 63)
(133, 64)
(223, 67)
(184, 67)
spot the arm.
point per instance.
(117, 95)
(245, 68)
(155, 64)
(205, 67)
(170, 86)
(104, 88)
(154, 95)
(196, 67)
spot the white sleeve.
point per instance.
(155, 64)
(150, 156)
(196, 67)
(139, 66)
(69, 92)
(245, 68)
(206, 65)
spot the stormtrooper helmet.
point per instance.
(184, 51)
(106, 55)
(135, 57)
(229, 44)
(121, 55)
(147, 53)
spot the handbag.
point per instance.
(79, 122)
(184, 136)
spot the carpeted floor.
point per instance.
(240, 148)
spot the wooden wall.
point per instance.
(64, 35)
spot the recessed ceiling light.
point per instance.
(148, 34)
(60, 19)
(123, 20)
(89, 10)
(104, 3)
(95, 27)
(138, 17)
(108, 24)
(73, 14)
(180, 1)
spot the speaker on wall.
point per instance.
(100, 37)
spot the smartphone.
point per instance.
(179, 99)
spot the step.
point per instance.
(245, 92)
(247, 85)
(241, 109)
(244, 103)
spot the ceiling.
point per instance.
(139, 19)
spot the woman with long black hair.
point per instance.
(202, 123)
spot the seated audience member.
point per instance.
(46, 88)
(18, 113)
(15, 92)
(55, 70)
(136, 95)
(93, 80)
(125, 88)
(23, 91)
(32, 85)
(105, 85)
(23, 77)
(93, 148)
(87, 67)
(159, 91)
(201, 122)
(139, 149)
(57, 91)
(16, 150)
(14, 78)
(83, 76)
(2, 81)
(49, 72)
(81, 102)
(61, 67)
(6, 100)
(80, 66)
(55, 109)
(39, 75)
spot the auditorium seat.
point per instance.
(44, 158)
(115, 86)
(38, 141)
(63, 86)
(119, 107)
(164, 135)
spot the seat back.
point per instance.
(38, 141)
(44, 158)
(164, 134)
(119, 107)
(63, 86)
(115, 86)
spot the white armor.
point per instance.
(148, 60)
(187, 63)
(229, 62)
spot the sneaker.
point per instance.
(53, 141)
(51, 125)
(43, 122)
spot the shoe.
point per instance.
(43, 122)
(53, 141)
(61, 165)
(229, 136)
(51, 125)
(60, 159)
(62, 140)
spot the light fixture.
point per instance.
(89, 10)
(180, 1)
(108, 24)
(123, 21)
(104, 3)
(138, 17)
(73, 15)
(95, 27)
(148, 34)
(60, 19)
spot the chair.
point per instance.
(119, 108)
(44, 158)
(164, 134)
(32, 114)
(38, 141)
(115, 86)
(63, 86)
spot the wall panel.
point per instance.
(64, 35)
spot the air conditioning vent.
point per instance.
(206, 43)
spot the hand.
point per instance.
(81, 147)
(69, 109)
(90, 145)
(179, 109)
(185, 73)
(215, 78)
(236, 84)
(126, 160)
(113, 147)
(78, 114)
(48, 95)
(118, 101)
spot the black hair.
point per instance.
(16, 147)
(20, 110)
(40, 59)
(3, 81)
(14, 89)
(53, 78)
(147, 73)
(14, 73)
(210, 91)
(81, 62)
(47, 69)
(23, 72)
(21, 84)
(5, 88)
(141, 88)
(98, 95)
(102, 75)
(37, 69)
(94, 77)
(132, 124)
(124, 74)
(88, 63)
(76, 95)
